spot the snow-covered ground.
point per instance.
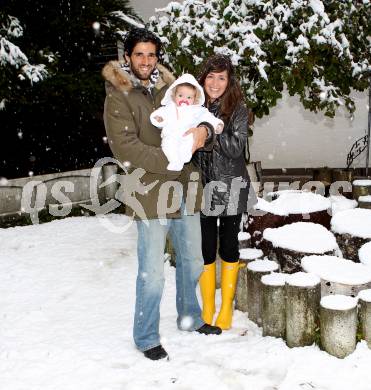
(67, 293)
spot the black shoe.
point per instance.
(209, 329)
(156, 353)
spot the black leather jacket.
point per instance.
(226, 165)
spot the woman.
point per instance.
(227, 186)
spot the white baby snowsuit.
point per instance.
(177, 120)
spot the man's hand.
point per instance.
(199, 137)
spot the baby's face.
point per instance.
(185, 96)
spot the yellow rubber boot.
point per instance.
(207, 285)
(228, 285)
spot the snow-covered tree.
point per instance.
(319, 50)
(57, 124)
(14, 64)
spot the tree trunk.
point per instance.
(289, 261)
(274, 307)
(257, 224)
(361, 190)
(350, 245)
(332, 288)
(254, 290)
(302, 305)
(241, 289)
(321, 217)
(338, 330)
(364, 205)
(365, 316)
(244, 240)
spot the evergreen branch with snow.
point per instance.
(318, 50)
(13, 61)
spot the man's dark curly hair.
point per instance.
(137, 35)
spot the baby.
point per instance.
(182, 109)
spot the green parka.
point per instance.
(135, 142)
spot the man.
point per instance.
(134, 90)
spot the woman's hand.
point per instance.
(199, 137)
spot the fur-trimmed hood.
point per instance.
(186, 78)
(123, 81)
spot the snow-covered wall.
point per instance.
(292, 137)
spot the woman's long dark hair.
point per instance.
(233, 93)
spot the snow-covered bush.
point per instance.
(318, 49)
(12, 59)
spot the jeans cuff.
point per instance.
(150, 347)
(197, 325)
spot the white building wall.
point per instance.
(292, 137)
(145, 8)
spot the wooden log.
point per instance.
(244, 240)
(350, 245)
(256, 224)
(303, 206)
(331, 288)
(364, 202)
(338, 319)
(274, 305)
(322, 217)
(352, 229)
(361, 188)
(364, 300)
(282, 244)
(289, 207)
(247, 255)
(289, 261)
(365, 315)
(255, 270)
(338, 276)
(303, 292)
(343, 175)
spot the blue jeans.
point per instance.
(185, 234)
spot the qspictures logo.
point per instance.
(131, 186)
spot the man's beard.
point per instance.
(139, 76)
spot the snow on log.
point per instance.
(255, 270)
(290, 243)
(289, 207)
(244, 240)
(341, 203)
(274, 305)
(352, 229)
(303, 294)
(364, 254)
(338, 276)
(338, 319)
